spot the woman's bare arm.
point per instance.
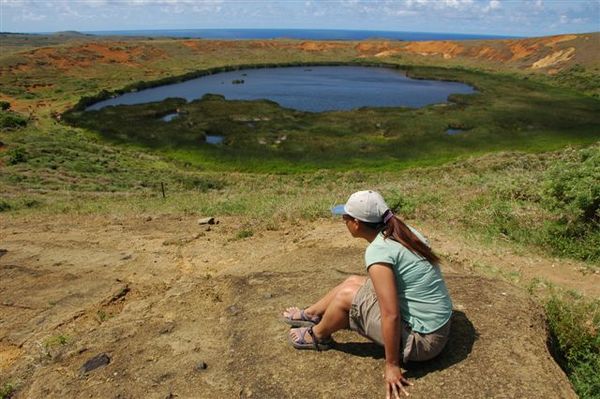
(384, 282)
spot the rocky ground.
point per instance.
(185, 310)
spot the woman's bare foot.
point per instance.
(306, 338)
(297, 317)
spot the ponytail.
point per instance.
(397, 230)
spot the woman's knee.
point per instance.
(345, 295)
(355, 280)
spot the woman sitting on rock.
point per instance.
(403, 304)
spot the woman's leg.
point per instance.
(319, 308)
(334, 308)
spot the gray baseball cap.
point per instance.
(367, 206)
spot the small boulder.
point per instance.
(201, 366)
(97, 361)
(167, 328)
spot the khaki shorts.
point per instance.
(365, 318)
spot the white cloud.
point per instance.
(565, 19)
(175, 3)
(30, 16)
(438, 4)
(456, 3)
(492, 6)
(14, 3)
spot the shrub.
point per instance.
(572, 191)
(4, 105)
(11, 120)
(574, 325)
(573, 188)
(7, 391)
(16, 156)
(244, 233)
(5, 205)
(56, 340)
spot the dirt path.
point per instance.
(162, 297)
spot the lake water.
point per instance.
(214, 139)
(313, 89)
(169, 117)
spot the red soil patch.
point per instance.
(490, 54)
(93, 53)
(16, 105)
(504, 51)
(199, 45)
(522, 50)
(373, 47)
(219, 45)
(446, 49)
(552, 40)
(320, 46)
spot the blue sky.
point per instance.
(503, 17)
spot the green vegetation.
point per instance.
(102, 316)
(573, 192)
(579, 78)
(506, 114)
(574, 324)
(7, 391)
(556, 209)
(63, 159)
(11, 120)
(56, 340)
(244, 233)
(17, 155)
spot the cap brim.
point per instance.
(338, 210)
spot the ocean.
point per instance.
(302, 34)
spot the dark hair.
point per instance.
(398, 231)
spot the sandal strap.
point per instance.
(315, 341)
(304, 317)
